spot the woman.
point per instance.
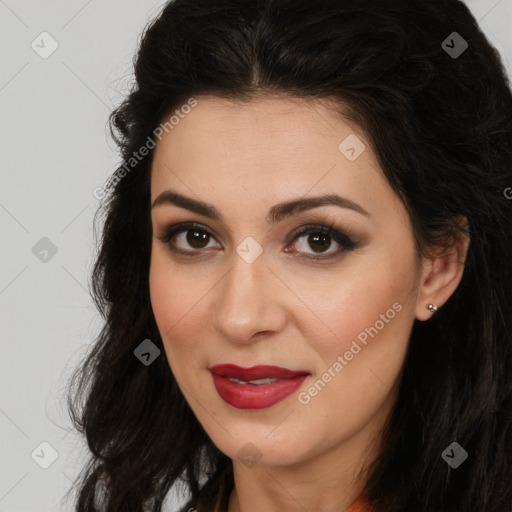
(306, 265)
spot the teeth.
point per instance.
(257, 382)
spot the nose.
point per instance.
(249, 304)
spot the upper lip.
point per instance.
(255, 372)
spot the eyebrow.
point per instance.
(275, 214)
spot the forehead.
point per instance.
(279, 129)
(272, 120)
(268, 149)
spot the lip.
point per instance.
(255, 372)
(255, 397)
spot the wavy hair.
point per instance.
(441, 127)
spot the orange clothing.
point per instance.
(360, 505)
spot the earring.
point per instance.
(432, 307)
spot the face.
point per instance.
(325, 288)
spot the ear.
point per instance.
(442, 271)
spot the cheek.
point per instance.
(364, 316)
(341, 307)
(176, 296)
(162, 288)
(358, 357)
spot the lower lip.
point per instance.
(247, 396)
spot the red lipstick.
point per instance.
(270, 384)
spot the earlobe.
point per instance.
(442, 273)
(433, 308)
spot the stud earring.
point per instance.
(432, 308)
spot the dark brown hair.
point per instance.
(441, 127)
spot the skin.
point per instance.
(282, 308)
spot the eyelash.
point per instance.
(344, 240)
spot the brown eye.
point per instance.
(320, 239)
(192, 239)
(319, 243)
(196, 238)
(186, 239)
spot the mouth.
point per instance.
(257, 387)
(256, 375)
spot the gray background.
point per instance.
(55, 151)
